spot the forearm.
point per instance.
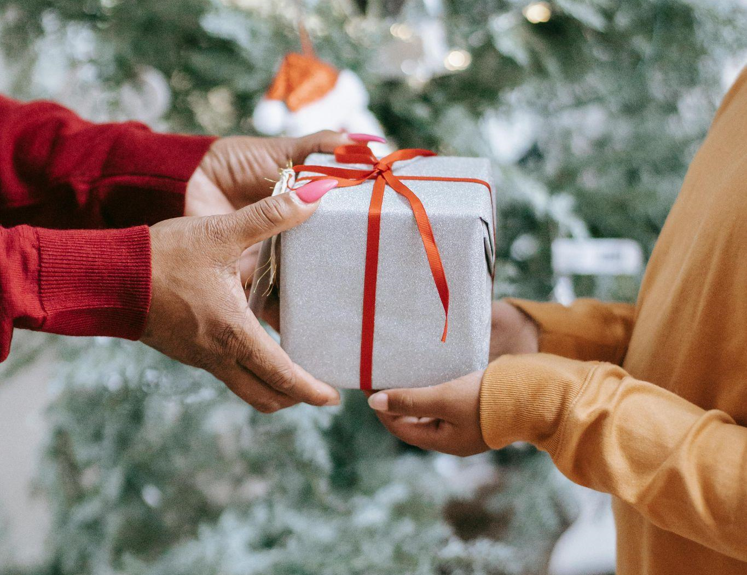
(586, 330)
(80, 283)
(60, 171)
(680, 466)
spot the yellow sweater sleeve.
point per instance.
(681, 467)
(586, 330)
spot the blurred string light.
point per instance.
(457, 60)
(401, 31)
(537, 12)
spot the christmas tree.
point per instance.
(590, 110)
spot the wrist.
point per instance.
(512, 331)
(529, 331)
(527, 397)
(95, 282)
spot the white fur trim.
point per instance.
(346, 100)
(270, 116)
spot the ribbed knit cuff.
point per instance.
(95, 282)
(144, 178)
(527, 397)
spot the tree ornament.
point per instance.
(308, 95)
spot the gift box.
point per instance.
(435, 253)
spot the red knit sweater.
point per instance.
(58, 171)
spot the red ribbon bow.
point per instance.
(381, 173)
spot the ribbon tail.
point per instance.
(429, 243)
(369, 284)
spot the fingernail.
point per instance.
(366, 138)
(313, 191)
(379, 402)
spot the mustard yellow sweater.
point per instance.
(649, 402)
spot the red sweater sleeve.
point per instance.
(59, 171)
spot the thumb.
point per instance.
(419, 402)
(277, 214)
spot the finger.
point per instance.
(253, 391)
(427, 435)
(324, 141)
(433, 402)
(386, 417)
(422, 420)
(276, 214)
(433, 434)
(417, 420)
(265, 358)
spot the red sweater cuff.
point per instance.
(95, 283)
(144, 178)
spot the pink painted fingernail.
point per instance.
(379, 402)
(366, 138)
(312, 191)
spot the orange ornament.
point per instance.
(301, 80)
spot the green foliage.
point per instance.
(155, 467)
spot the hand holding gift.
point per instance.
(447, 417)
(237, 170)
(444, 417)
(199, 314)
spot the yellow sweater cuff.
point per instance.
(527, 398)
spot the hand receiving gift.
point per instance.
(446, 417)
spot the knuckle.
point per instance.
(249, 352)
(207, 360)
(282, 378)
(229, 341)
(215, 228)
(320, 138)
(271, 213)
(405, 402)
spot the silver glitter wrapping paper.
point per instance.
(321, 280)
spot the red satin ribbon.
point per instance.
(381, 173)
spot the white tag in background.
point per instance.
(597, 257)
(592, 257)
